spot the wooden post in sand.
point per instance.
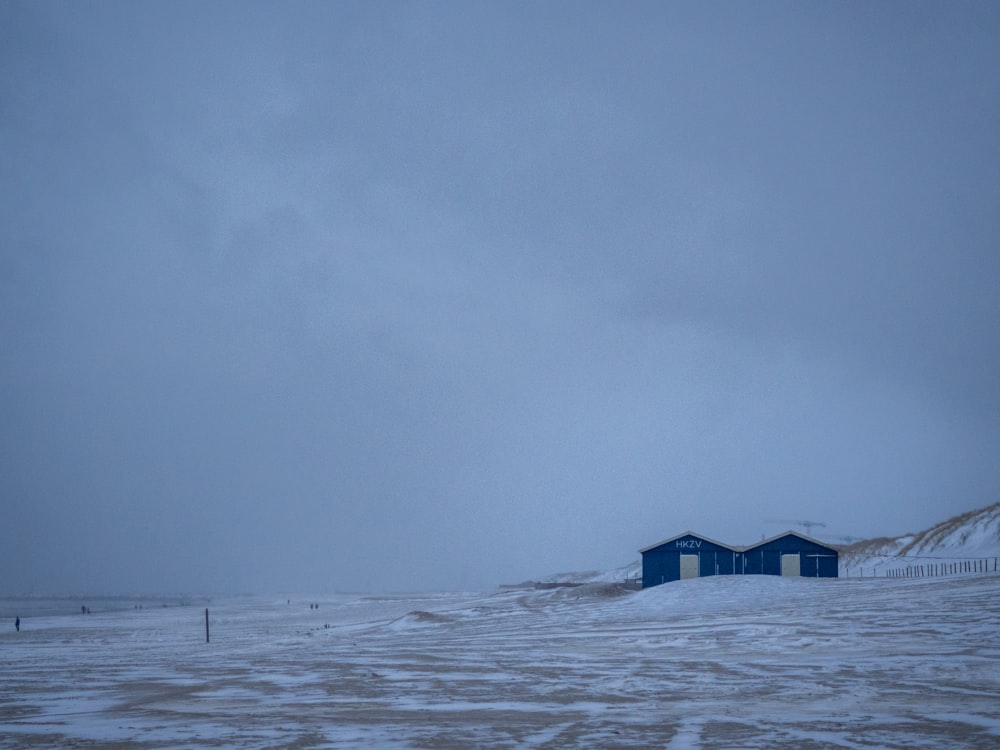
(206, 624)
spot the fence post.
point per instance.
(206, 624)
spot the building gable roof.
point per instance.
(737, 548)
(782, 535)
(688, 533)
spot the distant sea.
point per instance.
(33, 606)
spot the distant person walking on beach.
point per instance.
(17, 624)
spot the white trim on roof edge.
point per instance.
(738, 548)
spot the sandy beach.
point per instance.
(748, 662)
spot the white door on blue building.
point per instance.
(689, 566)
(791, 565)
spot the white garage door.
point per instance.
(791, 565)
(689, 566)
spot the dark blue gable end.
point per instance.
(662, 563)
(814, 560)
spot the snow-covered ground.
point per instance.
(722, 662)
(630, 572)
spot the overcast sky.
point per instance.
(399, 296)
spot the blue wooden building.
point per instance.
(688, 555)
(791, 554)
(691, 555)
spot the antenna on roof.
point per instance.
(807, 525)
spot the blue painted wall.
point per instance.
(815, 560)
(662, 564)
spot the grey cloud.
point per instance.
(395, 296)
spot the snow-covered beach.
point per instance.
(727, 662)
